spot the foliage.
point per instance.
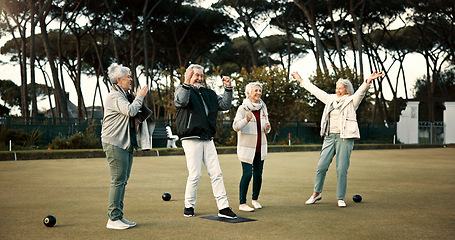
(279, 93)
(167, 35)
(10, 93)
(20, 138)
(312, 110)
(79, 140)
(443, 90)
(4, 111)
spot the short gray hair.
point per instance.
(250, 86)
(347, 84)
(195, 66)
(117, 71)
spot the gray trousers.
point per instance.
(120, 162)
(342, 148)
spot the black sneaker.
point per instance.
(227, 213)
(188, 212)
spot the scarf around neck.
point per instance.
(339, 101)
(249, 105)
(125, 93)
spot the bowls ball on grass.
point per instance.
(166, 196)
(49, 220)
(357, 198)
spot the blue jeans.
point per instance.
(342, 148)
(120, 162)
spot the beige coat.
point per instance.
(247, 135)
(348, 117)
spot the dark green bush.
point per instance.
(19, 138)
(79, 140)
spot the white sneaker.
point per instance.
(246, 208)
(312, 199)
(117, 224)
(256, 204)
(132, 224)
(341, 203)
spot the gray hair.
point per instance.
(195, 66)
(250, 86)
(347, 84)
(117, 71)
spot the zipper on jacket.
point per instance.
(189, 121)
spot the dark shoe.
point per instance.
(227, 213)
(188, 212)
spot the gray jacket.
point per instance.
(117, 112)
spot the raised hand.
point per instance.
(143, 91)
(296, 76)
(188, 75)
(226, 81)
(374, 75)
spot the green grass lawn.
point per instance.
(407, 194)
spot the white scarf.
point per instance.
(339, 101)
(249, 105)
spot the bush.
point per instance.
(79, 140)
(20, 138)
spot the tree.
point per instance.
(444, 90)
(312, 108)
(17, 12)
(435, 24)
(10, 93)
(250, 12)
(280, 94)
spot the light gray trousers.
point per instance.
(196, 153)
(342, 148)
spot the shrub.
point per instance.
(19, 138)
(79, 140)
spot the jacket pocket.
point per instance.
(351, 128)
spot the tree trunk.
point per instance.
(32, 60)
(335, 33)
(253, 53)
(111, 26)
(60, 98)
(81, 110)
(319, 48)
(358, 30)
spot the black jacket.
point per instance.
(193, 121)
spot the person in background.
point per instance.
(118, 136)
(251, 124)
(197, 110)
(339, 129)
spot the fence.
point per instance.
(299, 132)
(309, 133)
(431, 132)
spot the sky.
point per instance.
(414, 66)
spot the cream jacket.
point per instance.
(247, 135)
(348, 117)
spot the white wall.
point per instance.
(408, 126)
(449, 122)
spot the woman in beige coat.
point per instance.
(251, 124)
(339, 129)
